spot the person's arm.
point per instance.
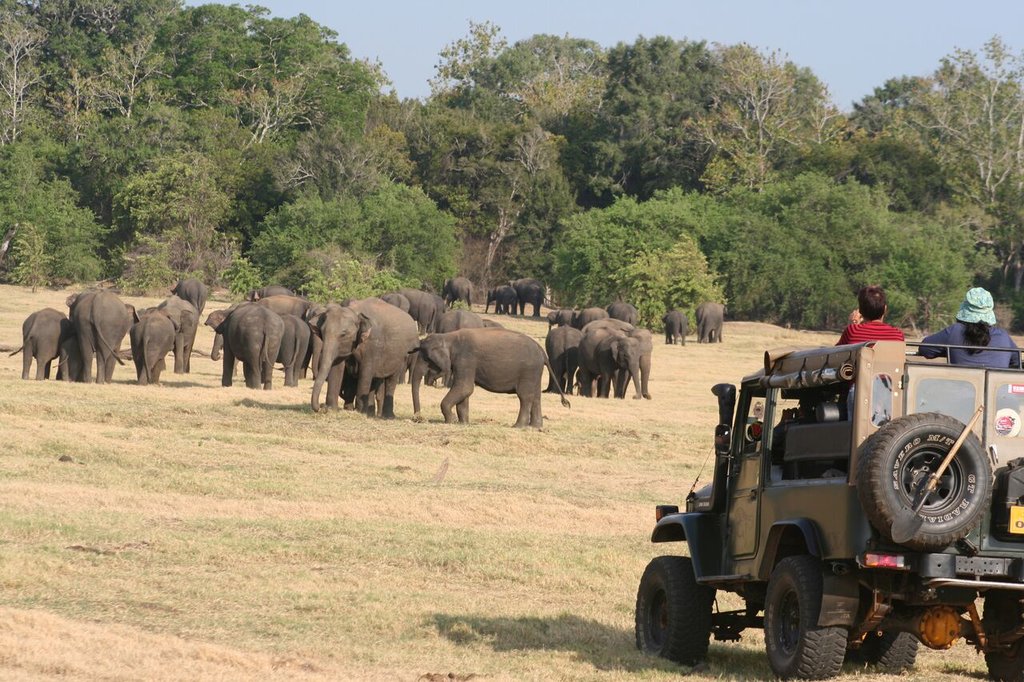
(940, 337)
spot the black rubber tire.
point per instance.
(890, 652)
(796, 645)
(1003, 613)
(894, 463)
(673, 611)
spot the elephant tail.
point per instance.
(15, 352)
(265, 359)
(551, 372)
(107, 346)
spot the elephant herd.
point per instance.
(361, 350)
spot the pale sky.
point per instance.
(853, 46)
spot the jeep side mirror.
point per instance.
(723, 439)
(726, 394)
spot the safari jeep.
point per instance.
(817, 457)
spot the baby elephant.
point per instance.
(497, 360)
(152, 338)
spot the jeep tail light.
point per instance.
(873, 560)
(663, 510)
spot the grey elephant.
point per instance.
(621, 310)
(398, 300)
(584, 317)
(295, 348)
(193, 291)
(425, 308)
(374, 335)
(283, 304)
(528, 291)
(42, 333)
(100, 320)
(504, 299)
(561, 317)
(152, 337)
(605, 353)
(710, 317)
(186, 323)
(264, 292)
(459, 319)
(457, 289)
(251, 333)
(676, 326)
(563, 348)
(497, 360)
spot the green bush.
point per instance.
(241, 276)
(145, 268)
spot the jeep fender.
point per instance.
(702, 532)
(840, 599)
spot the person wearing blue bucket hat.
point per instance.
(976, 333)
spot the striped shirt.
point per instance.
(875, 330)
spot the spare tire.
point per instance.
(895, 462)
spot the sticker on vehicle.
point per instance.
(1007, 422)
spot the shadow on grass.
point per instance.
(604, 647)
(297, 407)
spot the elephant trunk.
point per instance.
(416, 378)
(218, 343)
(322, 371)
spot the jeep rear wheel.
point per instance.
(673, 611)
(890, 652)
(796, 645)
(1002, 616)
(896, 462)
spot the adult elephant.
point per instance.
(425, 308)
(398, 300)
(42, 333)
(152, 337)
(709, 322)
(584, 317)
(186, 323)
(459, 319)
(497, 360)
(563, 348)
(283, 304)
(295, 347)
(561, 317)
(603, 354)
(504, 298)
(100, 320)
(457, 289)
(620, 310)
(251, 333)
(193, 291)
(378, 338)
(676, 325)
(264, 292)
(528, 291)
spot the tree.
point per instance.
(179, 203)
(661, 280)
(973, 117)
(32, 263)
(763, 105)
(19, 72)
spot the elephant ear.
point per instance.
(365, 328)
(70, 300)
(436, 353)
(188, 318)
(132, 312)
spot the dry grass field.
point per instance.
(188, 531)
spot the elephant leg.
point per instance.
(390, 384)
(459, 393)
(26, 361)
(109, 361)
(228, 373)
(536, 417)
(88, 356)
(158, 367)
(46, 368)
(179, 353)
(252, 374)
(555, 376)
(289, 376)
(525, 409)
(536, 309)
(140, 368)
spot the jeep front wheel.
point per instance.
(896, 462)
(673, 611)
(797, 646)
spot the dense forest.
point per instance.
(142, 140)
